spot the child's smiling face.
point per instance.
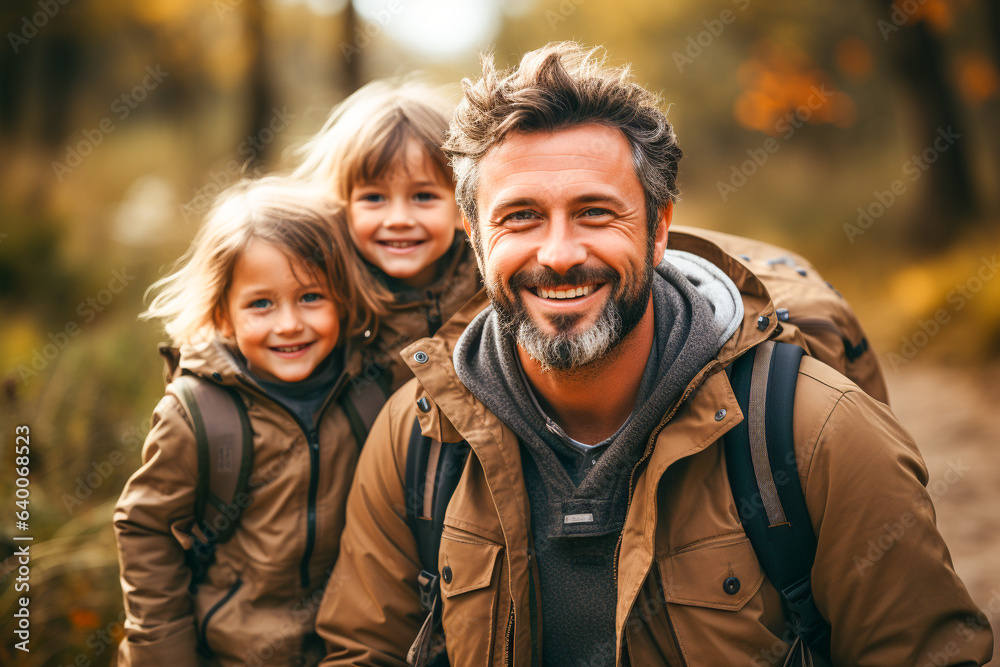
(405, 222)
(281, 313)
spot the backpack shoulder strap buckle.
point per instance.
(430, 585)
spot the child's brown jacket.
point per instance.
(258, 603)
(418, 313)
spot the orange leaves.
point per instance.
(977, 78)
(782, 82)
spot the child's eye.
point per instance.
(372, 198)
(425, 196)
(312, 297)
(260, 303)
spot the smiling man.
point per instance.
(593, 522)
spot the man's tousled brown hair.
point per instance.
(557, 86)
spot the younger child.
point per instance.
(380, 154)
(265, 304)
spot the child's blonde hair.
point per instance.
(366, 134)
(301, 221)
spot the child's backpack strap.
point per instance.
(760, 461)
(433, 470)
(362, 402)
(225, 459)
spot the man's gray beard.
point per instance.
(568, 351)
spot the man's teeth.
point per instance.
(565, 294)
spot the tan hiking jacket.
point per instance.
(882, 575)
(417, 313)
(258, 602)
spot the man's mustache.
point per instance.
(544, 277)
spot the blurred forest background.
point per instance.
(863, 134)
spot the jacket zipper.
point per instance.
(509, 643)
(814, 323)
(312, 439)
(203, 630)
(434, 317)
(649, 450)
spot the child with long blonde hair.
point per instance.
(268, 307)
(379, 153)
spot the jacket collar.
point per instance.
(215, 361)
(457, 405)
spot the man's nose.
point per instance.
(561, 250)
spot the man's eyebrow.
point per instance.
(513, 203)
(599, 198)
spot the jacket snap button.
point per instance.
(424, 404)
(446, 575)
(217, 376)
(731, 586)
(762, 322)
(720, 415)
(420, 357)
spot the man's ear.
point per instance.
(662, 231)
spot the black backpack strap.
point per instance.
(225, 460)
(760, 461)
(433, 470)
(362, 402)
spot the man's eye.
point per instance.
(595, 212)
(260, 303)
(518, 216)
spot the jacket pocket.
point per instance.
(469, 587)
(719, 609)
(719, 575)
(206, 619)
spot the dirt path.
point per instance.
(954, 415)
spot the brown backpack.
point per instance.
(812, 314)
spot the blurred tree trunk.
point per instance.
(993, 29)
(350, 58)
(949, 198)
(260, 92)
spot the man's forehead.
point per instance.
(592, 157)
(581, 143)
